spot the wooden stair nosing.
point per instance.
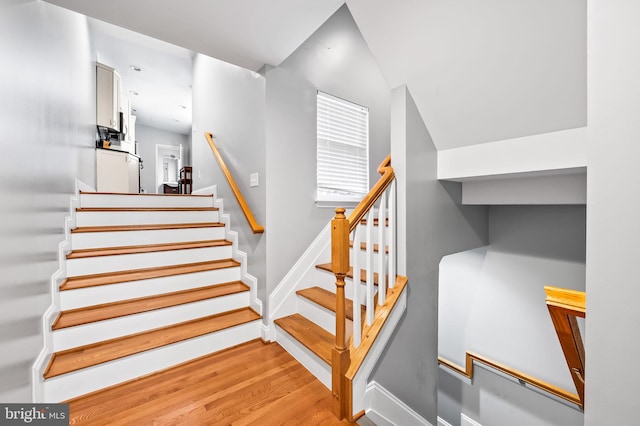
(310, 335)
(327, 300)
(149, 248)
(156, 227)
(375, 221)
(376, 247)
(145, 194)
(75, 359)
(146, 209)
(83, 281)
(95, 313)
(363, 273)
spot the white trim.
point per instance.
(283, 299)
(386, 405)
(442, 422)
(239, 255)
(467, 421)
(360, 381)
(40, 363)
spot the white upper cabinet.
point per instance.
(107, 97)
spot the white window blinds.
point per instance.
(343, 147)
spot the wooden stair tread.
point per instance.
(110, 251)
(312, 336)
(375, 222)
(363, 246)
(326, 299)
(363, 273)
(90, 355)
(147, 209)
(146, 194)
(107, 311)
(147, 227)
(143, 274)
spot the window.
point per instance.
(342, 149)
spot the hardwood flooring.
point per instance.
(250, 384)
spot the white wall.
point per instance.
(148, 138)
(431, 223)
(494, 400)
(336, 60)
(491, 301)
(47, 82)
(229, 102)
(613, 209)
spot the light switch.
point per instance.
(253, 179)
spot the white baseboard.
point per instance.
(283, 299)
(467, 421)
(386, 405)
(442, 422)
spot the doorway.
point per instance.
(168, 164)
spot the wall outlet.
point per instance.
(253, 179)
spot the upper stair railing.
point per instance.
(565, 306)
(378, 269)
(255, 227)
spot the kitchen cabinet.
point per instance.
(117, 171)
(108, 97)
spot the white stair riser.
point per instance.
(107, 218)
(71, 299)
(320, 369)
(362, 232)
(362, 257)
(86, 240)
(119, 200)
(124, 262)
(327, 281)
(321, 316)
(90, 379)
(80, 335)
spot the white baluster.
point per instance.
(382, 285)
(357, 335)
(392, 256)
(370, 288)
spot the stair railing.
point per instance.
(565, 306)
(257, 229)
(360, 228)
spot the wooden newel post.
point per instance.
(340, 356)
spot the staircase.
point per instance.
(151, 281)
(333, 324)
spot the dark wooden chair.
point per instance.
(186, 180)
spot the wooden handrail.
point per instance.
(257, 229)
(341, 382)
(374, 194)
(467, 371)
(565, 306)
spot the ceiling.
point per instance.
(479, 71)
(160, 93)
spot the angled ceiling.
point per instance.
(479, 71)
(247, 33)
(160, 93)
(482, 71)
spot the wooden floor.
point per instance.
(251, 384)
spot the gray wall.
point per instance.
(613, 209)
(229, 102)
(494, 305)
(431, 224)
(148, 138)
(47, 86)
(336, 60)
